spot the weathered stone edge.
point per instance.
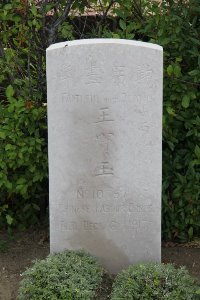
(103, 41)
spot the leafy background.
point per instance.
(27, 28)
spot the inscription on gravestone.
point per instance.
(104, 127)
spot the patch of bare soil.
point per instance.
(34, 245)
(19, 256)
(184, 255)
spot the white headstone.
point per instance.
(105, 127)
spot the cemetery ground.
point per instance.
(18, 253)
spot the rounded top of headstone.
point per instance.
(104, 41)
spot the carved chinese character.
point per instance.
(144, 74)
(119, 73)
(94, 72)
(104, 169)
(104, 115)
(105, 139)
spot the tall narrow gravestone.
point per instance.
(104, 126)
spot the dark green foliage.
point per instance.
(69, 275)
(23, 128)
(154, 281)
(28, 29)
(177, 29)
(23, 162)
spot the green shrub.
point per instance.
(176, 27)
(153, 281)
(23, 161)
(69, 275)
(29, 27)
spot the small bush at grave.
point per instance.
(68, 275)
(154, 281)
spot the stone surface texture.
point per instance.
(104, 133)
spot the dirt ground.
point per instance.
(35, 245)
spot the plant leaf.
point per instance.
(9, 91)
(185, 101)
(9, 219)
